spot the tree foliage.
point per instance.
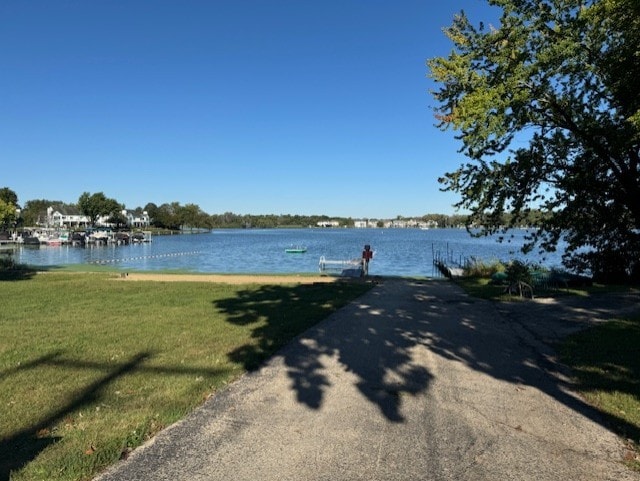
(164, 216)
(192, 216)
(97, 205)
(272, 221)
(7, 215)
(35, 211)
(118, 220)
(9, 196)
(8, 206)
(547, 108)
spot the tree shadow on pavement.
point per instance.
(376, 337)
(516, 341)
(372, 344)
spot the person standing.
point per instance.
(367, 255)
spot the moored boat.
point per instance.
(296, 250)
(139, 237)
(57, 238)
(98, 237)
(78, 239)
(31, 241)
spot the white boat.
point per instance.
(98, 236)
(57, 239)
(296, 250)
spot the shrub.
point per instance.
(518, 271)
(480, 268)
(561, 278)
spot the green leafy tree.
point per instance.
(35, 211)
(165, 216)
(190, 216)
(118, 219)
(8, 206)
(152, 210)
(547, 108)
(96, 205)
(7, 215)
(226, 220)
(9, 196)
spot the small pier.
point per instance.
(448, 271)
(344, 268)
(57, 237)
(447, 264)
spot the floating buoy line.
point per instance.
(139, 258)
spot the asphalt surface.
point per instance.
(413, 381)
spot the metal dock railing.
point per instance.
(347, 268)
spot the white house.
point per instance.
(55, 218)
(137, 220)
(360, 224)
(399, 224)
(328, 223)
(365, 223)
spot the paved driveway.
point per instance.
(413, 381)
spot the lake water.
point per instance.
(407, 252)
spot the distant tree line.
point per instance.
(271, 221)
(175, 216)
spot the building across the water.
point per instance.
(74, 218)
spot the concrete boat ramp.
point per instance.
(413, 381)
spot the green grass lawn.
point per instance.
(91, 367)
(482, 287)
(606, 368)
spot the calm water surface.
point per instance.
(406, 252)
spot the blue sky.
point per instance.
(244, 106)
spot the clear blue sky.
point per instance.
(247, 106)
